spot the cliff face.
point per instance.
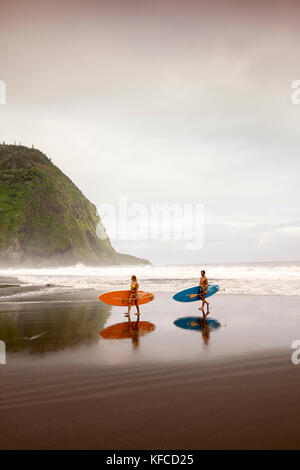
(45, 220)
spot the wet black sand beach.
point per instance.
(65, 386)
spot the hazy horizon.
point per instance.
(164, 103)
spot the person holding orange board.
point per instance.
(133, 297)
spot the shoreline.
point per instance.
(14, 288)
(263, 279)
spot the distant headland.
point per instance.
(45, 220)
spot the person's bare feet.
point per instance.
(201, 308)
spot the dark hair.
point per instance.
(133, 278)
(203, 271)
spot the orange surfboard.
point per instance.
(126, 330)
(121, 298)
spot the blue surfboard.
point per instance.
(193, 323)
(192, 294)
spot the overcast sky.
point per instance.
(165, 102)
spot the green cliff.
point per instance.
(45, 220)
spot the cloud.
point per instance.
(166, 104)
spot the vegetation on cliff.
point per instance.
(44, 218)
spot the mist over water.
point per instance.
(260, 278)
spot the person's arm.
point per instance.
(131, 290)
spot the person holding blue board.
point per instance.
(200, 292)
(203, 293)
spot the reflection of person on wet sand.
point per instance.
(133, 298)
(134, 331)
(203, 292)
(205, 330)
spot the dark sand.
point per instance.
(65, 387)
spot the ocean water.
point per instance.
(250, 279)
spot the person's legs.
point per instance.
(204, 301)
(137, 307)
(129, 307)
(202, 297)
